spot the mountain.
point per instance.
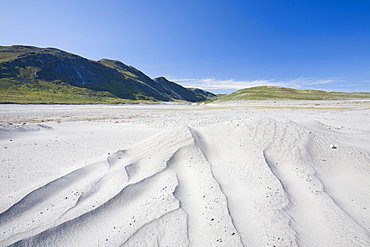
(203, 93)
(47, 75)
(179, 92)
(272, 92)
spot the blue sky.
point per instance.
(217, 45)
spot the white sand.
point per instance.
(277, 173)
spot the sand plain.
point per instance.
(252, 173)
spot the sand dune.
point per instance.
(256, 181)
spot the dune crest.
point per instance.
(253, 182)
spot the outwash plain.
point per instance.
(248, 173)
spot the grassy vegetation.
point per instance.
(55, 92)
(267, 93)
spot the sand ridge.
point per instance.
(196, 177)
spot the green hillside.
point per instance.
(53, 93)
(48, 75)
(269, 92)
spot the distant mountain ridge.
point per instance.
(37, 71)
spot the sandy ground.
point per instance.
(258, 173)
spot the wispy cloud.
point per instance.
(231, 84)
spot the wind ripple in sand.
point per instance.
(254, 182)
